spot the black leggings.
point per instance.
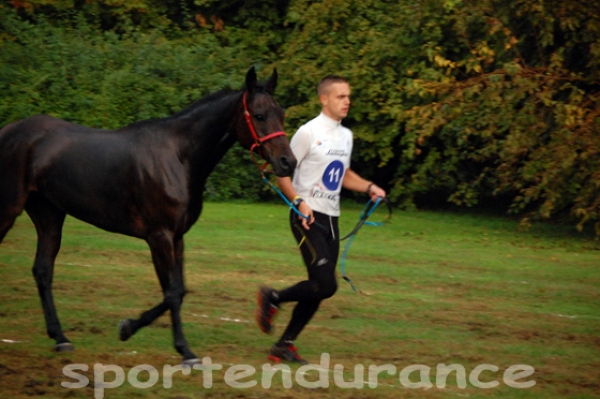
(320, 248)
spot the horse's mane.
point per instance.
(205, 101)
(201, 103)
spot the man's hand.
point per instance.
(306, 211)
(375, 192)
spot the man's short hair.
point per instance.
(327, 81)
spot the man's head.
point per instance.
(334, 94)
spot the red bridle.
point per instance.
(257, 140)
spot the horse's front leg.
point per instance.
(167, 255)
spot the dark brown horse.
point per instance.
(144, 180)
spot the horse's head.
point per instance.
(263, 130)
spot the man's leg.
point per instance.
(319, 247)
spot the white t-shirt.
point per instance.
(323, 148)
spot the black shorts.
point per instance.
(320, 248)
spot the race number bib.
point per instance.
(332, 177)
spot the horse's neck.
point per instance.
(207, 133)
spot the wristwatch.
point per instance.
(297, 200)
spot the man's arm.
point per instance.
(352, 181)
(287, 188)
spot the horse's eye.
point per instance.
(259, 117)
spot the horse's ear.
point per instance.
(272, 83)
(251, 80)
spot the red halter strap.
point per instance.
(257, 140)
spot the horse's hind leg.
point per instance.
(48, 221)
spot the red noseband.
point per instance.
(257, 140)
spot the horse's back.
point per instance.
(115, 180)
(17, 142)
(29, 149)
(18, 138)
(22, 136)
(30, 142)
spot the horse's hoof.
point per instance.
(64, 347)
(125, 329)
(191, 362)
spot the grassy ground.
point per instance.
(442, 288)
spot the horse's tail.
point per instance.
(5, 128)
(12, 187)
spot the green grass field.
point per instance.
(442, 289)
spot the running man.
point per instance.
(323, 148)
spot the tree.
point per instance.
(470, 101)
(459, 100)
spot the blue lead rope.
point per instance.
(287, 201)
(364, 215)
(368, 209)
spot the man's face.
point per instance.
(336, 102)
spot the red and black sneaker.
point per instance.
(266, 311)
(285, 352)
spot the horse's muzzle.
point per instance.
(284, 165)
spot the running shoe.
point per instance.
(285, 352)
(266, 311)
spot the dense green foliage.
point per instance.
(469, 102)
